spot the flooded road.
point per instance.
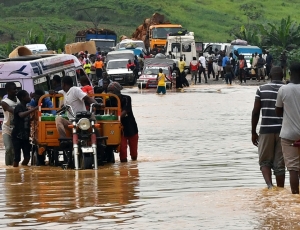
(197, 169)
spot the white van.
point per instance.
(182, 46)
(116, 67)
(37, 71)
(37, 48)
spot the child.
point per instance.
(161, 85)
(21, 130)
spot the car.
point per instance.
(117, 71)
(149, 75)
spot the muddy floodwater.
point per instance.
(197, 169)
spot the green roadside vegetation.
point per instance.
(211, 20)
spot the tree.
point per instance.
(286, 35)
(250, 35)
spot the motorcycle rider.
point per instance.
(74, 97)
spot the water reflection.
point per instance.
(197, 169)
(49, 194)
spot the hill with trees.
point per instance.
(211, 20)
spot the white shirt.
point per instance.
(288, 98)
(74, 98)
(203, 62)
(8, 125)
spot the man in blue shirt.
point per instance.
(224, 61)
(46, 103)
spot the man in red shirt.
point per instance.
(130, 66)
(194, 67)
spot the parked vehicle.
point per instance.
(36, 72)
(137, 46)
(243, 50)
(104, 38)
(213, 46)
(182, 45)
(158, 34)
(116, 67)
(37, 48)
(150, 72)
(105, 45)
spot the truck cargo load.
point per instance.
(155, 30)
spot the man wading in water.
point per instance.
(288, 106)
(268, 142)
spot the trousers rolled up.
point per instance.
(132, 142)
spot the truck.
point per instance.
(158, 34)
(182, 45)
(154, 31)
(104, 38)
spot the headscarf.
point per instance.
(114, 87)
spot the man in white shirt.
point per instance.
(8, 105)
(288, 106)
(74, 97)
(202, 67)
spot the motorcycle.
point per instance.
(81, 149)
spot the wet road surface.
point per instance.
(197, 169)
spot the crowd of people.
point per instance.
(233, 67)
(19, 107)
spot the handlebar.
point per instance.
(69, 108)
(95, 105)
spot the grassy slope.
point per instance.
(209, 19)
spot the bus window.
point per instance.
(175, 47)
(186, 47)
(42, 83)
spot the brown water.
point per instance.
(197, 169)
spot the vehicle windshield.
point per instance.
(133, 44)
(213, 47)
(117, 64)
(105, 45)
(163, 32)
(154, 71)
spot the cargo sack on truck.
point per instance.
(239, 42)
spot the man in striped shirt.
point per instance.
(268, 142)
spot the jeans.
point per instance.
(228, 77)
(242, 74)
(19, 145)
(210, 70)
(132, 142)
(201, 70)
(194, 74)
(9, 149)
(99, 74)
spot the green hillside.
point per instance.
(211, 20)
